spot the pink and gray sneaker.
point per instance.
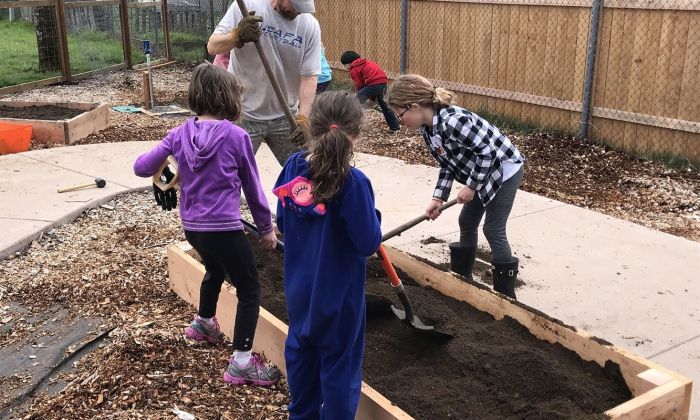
(255, 372)
(201, 330)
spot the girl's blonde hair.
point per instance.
(412, 89)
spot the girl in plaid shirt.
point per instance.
(474, 153)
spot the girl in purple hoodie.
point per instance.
(215, 161)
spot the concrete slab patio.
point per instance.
(623, 282)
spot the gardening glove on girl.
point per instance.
(166, 199)
(301, 133)
(248, 30)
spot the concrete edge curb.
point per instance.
(64, 220)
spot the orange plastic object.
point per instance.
(14, 138)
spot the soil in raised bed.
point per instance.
(40, 112)
(489, 370)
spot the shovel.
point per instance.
(407, 314)
(380, 305)
(406, 226)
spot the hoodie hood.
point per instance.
(358, 63)
(201, 140)
(297, 194)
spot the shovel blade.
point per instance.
(420, 327)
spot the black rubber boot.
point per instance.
(462, 259)
(504, 275)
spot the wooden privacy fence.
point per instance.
(120, 23)
(532, 60)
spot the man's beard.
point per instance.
(286, 13)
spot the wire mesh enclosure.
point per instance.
(621, 71)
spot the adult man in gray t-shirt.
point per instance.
(291, 39)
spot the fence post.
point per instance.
(404, 31)
(590, 69)
(126, 32)
(166, 29)
(211, 16)
(63, 41)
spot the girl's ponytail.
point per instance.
(443, 98)
(335, 121)
(330, 163)
(412, 89)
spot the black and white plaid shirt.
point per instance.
(469, 150)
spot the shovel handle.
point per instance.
(175, 182)
(254, 229)
(406, 226)
(266, 64)
(388, 267)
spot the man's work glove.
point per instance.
(166, 199)
(302, 133)
(248, 30)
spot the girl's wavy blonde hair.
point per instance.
(412, 89)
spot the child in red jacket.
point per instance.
(370, 83)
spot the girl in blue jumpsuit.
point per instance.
(326, 213)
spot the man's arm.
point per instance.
(307, 93)
(234, 31)
(220, 43)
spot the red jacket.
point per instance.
(367, 73)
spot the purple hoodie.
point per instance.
(215, 160)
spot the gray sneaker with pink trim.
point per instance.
(201, 330)
(255, 372)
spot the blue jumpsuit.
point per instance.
(326, 247)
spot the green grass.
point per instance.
(92, 50)
(188, 47)
(20, 57)
(88, 50)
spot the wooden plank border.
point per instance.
(26, 3)
(670, 400)
(154, 64)
(186, 274)
(90, 3)
(30, 85)
(85, 75)
(658, 392)
(145, 5)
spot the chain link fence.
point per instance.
(30, 45)
(624, 72)
(146, 23)
(647, 78)
(50, 41)
(94, 36)
(191, 23)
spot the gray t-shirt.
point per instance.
(293, 48)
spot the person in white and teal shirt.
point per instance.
(324, 79)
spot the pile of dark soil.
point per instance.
(490, 369)
(42, 112)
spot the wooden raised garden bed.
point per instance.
(62, 123)
(657, 393)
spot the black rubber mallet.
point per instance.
(98, 182)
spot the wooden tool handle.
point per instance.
(281, 97)
(76, 187)
(174, 183)
(401, 229)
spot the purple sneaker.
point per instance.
(255, 372)
(200, 331)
